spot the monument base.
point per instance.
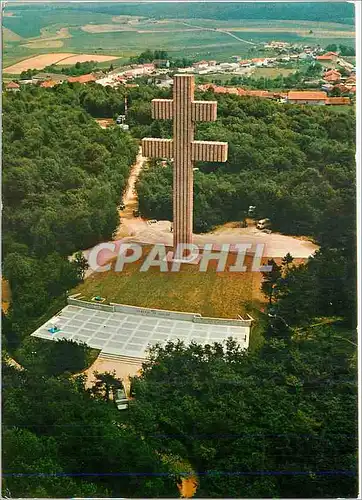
(172, 257)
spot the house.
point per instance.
(55, 77)
(329, 56)
(307, 97)
(82, 79)
(305, 56)
(338, 101)
(48, 84)
(245, 63)
(351, 81)
(200, 65)
(259, 61)
(12, 87)
(332, 76)
(264, 94)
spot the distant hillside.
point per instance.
(327, 12)
(341, 12)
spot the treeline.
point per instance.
(149, 56)
(344, 50)
(79, 68)
(63, 177)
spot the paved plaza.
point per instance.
(130, 334)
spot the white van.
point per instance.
(263, 224)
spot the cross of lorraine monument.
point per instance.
(184, 112)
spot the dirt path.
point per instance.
(219, 30)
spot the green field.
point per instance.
(89, 28)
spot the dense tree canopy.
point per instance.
(67, 443)
(62, 179)
(279, 421)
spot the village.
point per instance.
(336, 84)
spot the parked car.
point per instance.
(152, 221)
(263, 224)
(121, 399)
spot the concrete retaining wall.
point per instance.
(90, 305)
(223, 321)
(160, 313)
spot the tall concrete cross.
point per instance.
(184, 112)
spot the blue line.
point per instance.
(207, 473)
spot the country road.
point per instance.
(219, 30)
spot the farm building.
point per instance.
(41, 77)
(82, 79)
(12, 87)
(307, 97)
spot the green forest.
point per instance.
(277, 421)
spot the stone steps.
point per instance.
(119, 357)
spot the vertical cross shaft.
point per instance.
(184, 112)
(183, 133)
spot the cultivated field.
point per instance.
(32, 32)
(40, 62)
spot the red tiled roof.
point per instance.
(48, 84)
(332, 71)
(338, 100)
(342, 87)
(332, 77)
(82, 79)
(324, 58)
(307, 95)
(330, 54)
(13, 85)
(258, 93)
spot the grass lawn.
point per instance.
(215, 294)
(272, 72)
